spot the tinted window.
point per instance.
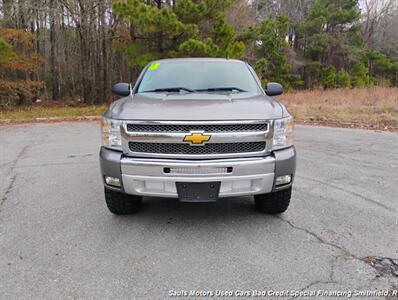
(198, 75)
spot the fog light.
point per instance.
(113, 181)
(281, 180)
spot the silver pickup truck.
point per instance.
(197, 129)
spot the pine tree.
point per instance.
(270, 46)
(329, 30)
(329, 77)
(343, 79)
(360, 75)
(186, 28)
(330, 34)
(380, 67)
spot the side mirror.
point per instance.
(274, 89)
(121, 89)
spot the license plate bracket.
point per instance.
(198, 191)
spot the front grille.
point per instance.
(172, 148)
(187, 128)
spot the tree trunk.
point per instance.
(8, 13)
(105, 65)
(55, 88)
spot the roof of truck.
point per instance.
(196, 59)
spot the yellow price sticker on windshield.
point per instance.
(153, 66)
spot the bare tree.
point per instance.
(373, 14)
(294, 9)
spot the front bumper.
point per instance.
(238, 176)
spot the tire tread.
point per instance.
(122, 204)
(274, 203)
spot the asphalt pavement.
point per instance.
(59, 241)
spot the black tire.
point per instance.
(122, 204)
(274, 203)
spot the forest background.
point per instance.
(338, 58)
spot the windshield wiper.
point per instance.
(170, 89)
(227, 88)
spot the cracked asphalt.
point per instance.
(58, 240)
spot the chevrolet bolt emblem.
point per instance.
(197, 138)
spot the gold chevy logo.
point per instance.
(197, 138)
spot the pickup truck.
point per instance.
(197, 129)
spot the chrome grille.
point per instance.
(206, 127)
(215, 148)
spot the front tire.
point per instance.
(122, 204)
(274, 203)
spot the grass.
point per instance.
(374, 106)
(32, 113)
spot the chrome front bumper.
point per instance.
(157, 177)
(238, 176)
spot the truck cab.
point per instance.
(197, 129)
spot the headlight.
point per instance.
(283, 133)
(111, 133)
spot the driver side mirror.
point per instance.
(121, 89)
(274, 89)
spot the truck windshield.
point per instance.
(198, 76)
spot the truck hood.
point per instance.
(196, 107)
